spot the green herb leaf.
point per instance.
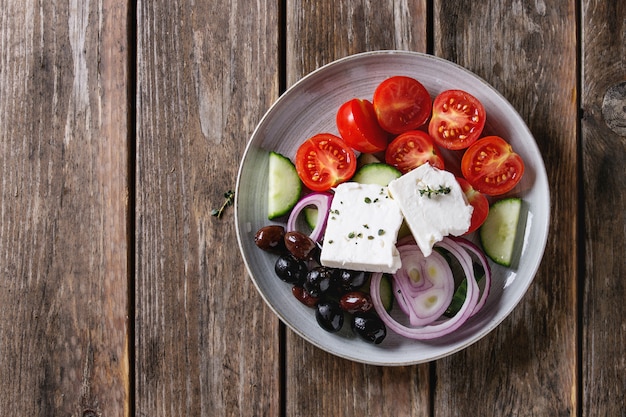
(229, 197)
(428, 192)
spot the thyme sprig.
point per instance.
(229, 197)
(428, 192)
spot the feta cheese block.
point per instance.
(433, 205)
(362, 229)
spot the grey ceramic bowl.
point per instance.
(309, 107)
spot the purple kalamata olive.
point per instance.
(301, 246)
(356, 302)
(304, 297)
(271, 239)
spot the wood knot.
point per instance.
(614, 108)
(89, 413)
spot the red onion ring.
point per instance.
(322, 202)
(426, 300)
(468, 246)
(437, 329)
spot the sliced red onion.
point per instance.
(486, 286)
(322, 202)
(470, 247)
(440, 328)
(424, 286)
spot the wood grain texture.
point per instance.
(322, 31)
(528, 365)
(63, 208)
(604, 185)
(317, 383)
(206, 343)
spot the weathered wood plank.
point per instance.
(527, 50)
(206, 343)
(603, 102)
(63, 208)
(318, 33)
(321, 32)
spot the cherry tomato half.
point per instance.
(478, 201)
(458, 119)
(324, 161)
(401, 104)
(412, 149)
(491, 166)
(359, 128)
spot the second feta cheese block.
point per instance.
(433, 205)
(362, 229)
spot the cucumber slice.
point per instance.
(457, 299)
(366, 158)
(376, 173)
(498, 232)
(310, 216)
(284, 186)
(386, 292)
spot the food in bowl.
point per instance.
(438, 279)
(310, 107)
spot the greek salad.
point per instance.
(371, 226)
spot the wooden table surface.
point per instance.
(122, 125)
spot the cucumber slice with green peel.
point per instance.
(376, 173)
(498, 232)
(310, 216)
(284, 186)
(386, 292)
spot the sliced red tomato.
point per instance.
(324, 161)
(401, 104)
(359, 128)
(491, 166)
(412, 149)
(458, 119)
(478, 201)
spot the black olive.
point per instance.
(348, 280)
(290, 269)
(329, 316)
(318, 280)
(371, 328)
